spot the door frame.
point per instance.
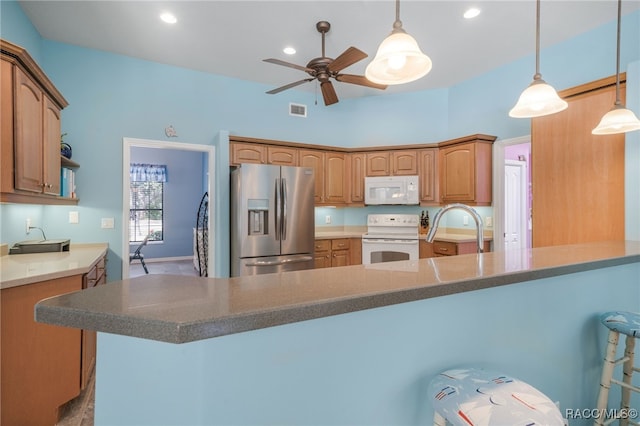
(498, 184)
(127, 144)
(524, 238)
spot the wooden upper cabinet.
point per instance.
(28, 111)
(466, 174)
(404, 162)
(247, 153)
(388, 163)
(357, 167)
(30, 143)
(282, 155)
(378, 163)
(428, 172)
(335, 178)
(315, 160)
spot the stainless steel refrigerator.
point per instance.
(272, 219)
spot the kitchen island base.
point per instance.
(372, 366)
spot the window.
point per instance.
(146, 202)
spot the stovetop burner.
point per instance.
(392, 226)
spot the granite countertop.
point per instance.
(180, 309)
(21, 269)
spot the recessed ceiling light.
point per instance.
(289, 50)
(471, 13)
(169, 18)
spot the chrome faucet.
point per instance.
(476, 216)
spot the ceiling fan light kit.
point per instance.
(399, 59)
(539, 98)
(618, 119)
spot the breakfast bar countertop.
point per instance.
(22, 269)
(180, 309)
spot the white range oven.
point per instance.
(390, 237)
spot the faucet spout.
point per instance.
(476, 217)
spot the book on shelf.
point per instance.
(67, 183)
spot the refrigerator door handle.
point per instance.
(277, 208)
(280, 262)
(283, 231)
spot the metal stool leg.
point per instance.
(607, 374)
(438, 420)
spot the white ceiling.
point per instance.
(232, 37)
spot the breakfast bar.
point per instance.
(350, 345)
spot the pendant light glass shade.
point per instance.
(618, 119)
(537, 100)
(398, 59)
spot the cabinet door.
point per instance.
(51, 148)
(428, 162)
(355, 249)
(425, 249)
(357, 173)
(40, 362)
(28, 134)
(457, 173)
(404, 162)
(335, 179)
(247, 153)
(378, 163)
(282, 155)
(340, 258)
(315, 160)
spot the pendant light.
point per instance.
(539, 98)
(618, 119)
(399, 58)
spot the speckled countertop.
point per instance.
(21, 269)
(181, 309)
(446, 234)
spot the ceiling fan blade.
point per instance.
(287, 64)
(328, 93)
(289, 86)
(347, 58)
(360, 80)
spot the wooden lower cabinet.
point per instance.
(338, 252)
(448, 248)
(96, 276)
(40, 362)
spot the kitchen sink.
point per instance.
(40, 246)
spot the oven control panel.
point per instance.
(402, 220)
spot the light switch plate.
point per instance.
(107, 223)
(73, 217)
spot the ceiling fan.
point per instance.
(325, 68)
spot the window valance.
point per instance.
(147, 172)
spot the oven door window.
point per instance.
(388, 256)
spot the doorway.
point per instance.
(128, 144)
(512, 200)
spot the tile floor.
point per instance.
(79, 411)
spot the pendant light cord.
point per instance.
(537, 75)
(618, 102)
(397, 25)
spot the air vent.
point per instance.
(298, 110)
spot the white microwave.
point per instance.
(391, 190)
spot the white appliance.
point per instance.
(390, 237)
(391, 190)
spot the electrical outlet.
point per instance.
(107, 223)
(28, 225)
(488, 221)
(73, 217)
(327, 220)
(465, 220)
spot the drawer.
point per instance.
(322, 245)
(445, 248)
(340, 244)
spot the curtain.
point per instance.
(147, 172)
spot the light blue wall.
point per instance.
(113, 96)
(182, 193)
(370, 367)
